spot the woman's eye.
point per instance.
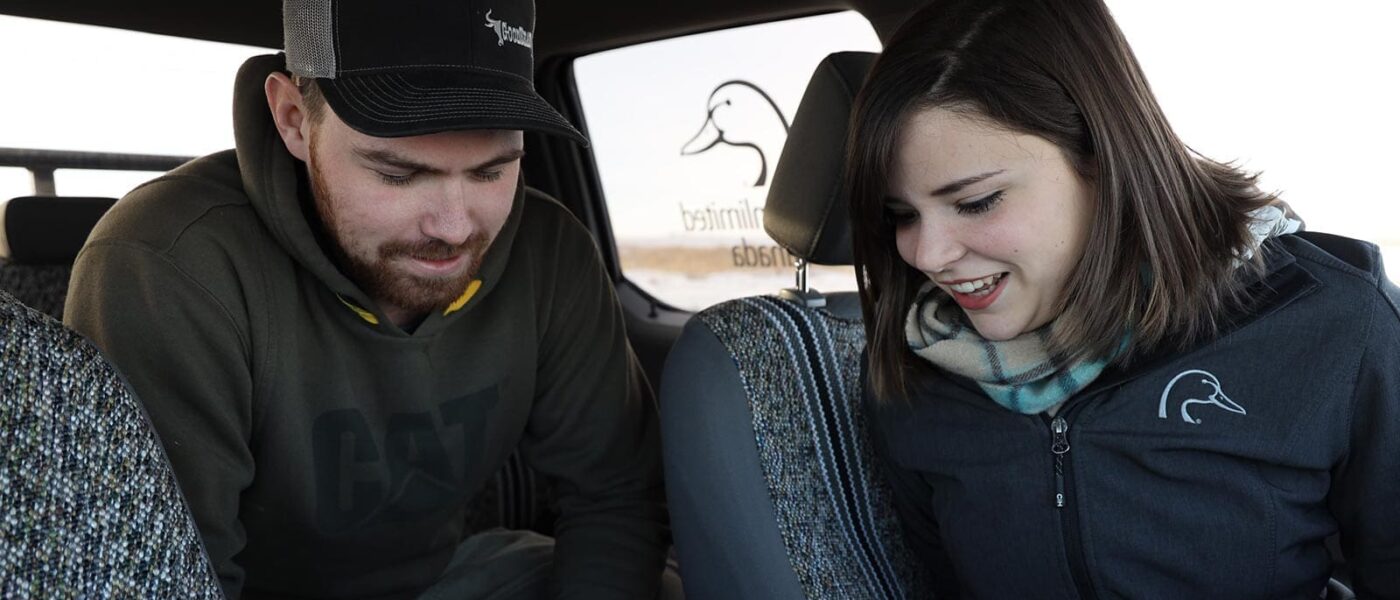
(390, 179)
(980, 205)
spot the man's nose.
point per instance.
(448, 217)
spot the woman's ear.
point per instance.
(289, 114)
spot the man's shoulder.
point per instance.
(203, 197)
(548, 224)
(545, 211)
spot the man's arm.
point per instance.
(188, 363)
(594, 430)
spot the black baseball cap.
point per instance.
(413, 67)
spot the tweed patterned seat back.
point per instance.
(89, 507)
(41, 287)
(772, 482)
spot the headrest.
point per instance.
(41, 230)
(806, 211)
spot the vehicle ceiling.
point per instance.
(563, 27)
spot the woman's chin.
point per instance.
(994, 329)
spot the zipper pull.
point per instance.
(1059, 430)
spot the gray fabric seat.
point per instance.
(39, 238)
(771, 481)
(89, 507)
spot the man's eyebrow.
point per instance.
(958, 185)
(388, 158)
(508, 156)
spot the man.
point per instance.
(344, 327)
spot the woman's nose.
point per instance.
(938, 246)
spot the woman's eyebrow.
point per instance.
(893, 202)
(957, 186)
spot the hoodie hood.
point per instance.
(271, 181)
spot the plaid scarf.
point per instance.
(1018, 373)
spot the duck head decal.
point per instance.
(741, 115)
(1196, 387)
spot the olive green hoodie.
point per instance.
(324, 451)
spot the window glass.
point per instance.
(1316, 119)
(686, 133)
(1301, 93)
(98, 89)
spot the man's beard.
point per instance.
(386, 282)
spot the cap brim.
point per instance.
(399, 104)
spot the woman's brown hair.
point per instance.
(1167, 224)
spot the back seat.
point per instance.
(40, 236)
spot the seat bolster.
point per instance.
(89, 505)
(727, 536)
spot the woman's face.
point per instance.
(996, 219)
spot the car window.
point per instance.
(96, 89)
(686, 133)
(1316, 119)
(1303, 96)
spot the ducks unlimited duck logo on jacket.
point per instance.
(1202, 387)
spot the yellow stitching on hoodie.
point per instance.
(364, 314)
(464, 298)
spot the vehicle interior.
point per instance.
(567, 34)
(564, 31)
(729, 232)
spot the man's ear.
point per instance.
(289, 114)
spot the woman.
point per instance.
(1100, 365)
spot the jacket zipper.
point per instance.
(1059, 446)
(1069, 521)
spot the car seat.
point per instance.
(770, 476)
(89, 506)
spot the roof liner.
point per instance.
(611, 24)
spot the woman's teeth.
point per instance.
(980, 286)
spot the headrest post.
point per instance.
(43, 182)
(801, 265)
(803, 294)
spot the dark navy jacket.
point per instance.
(1215, 473)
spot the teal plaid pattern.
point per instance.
(1017, 373)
